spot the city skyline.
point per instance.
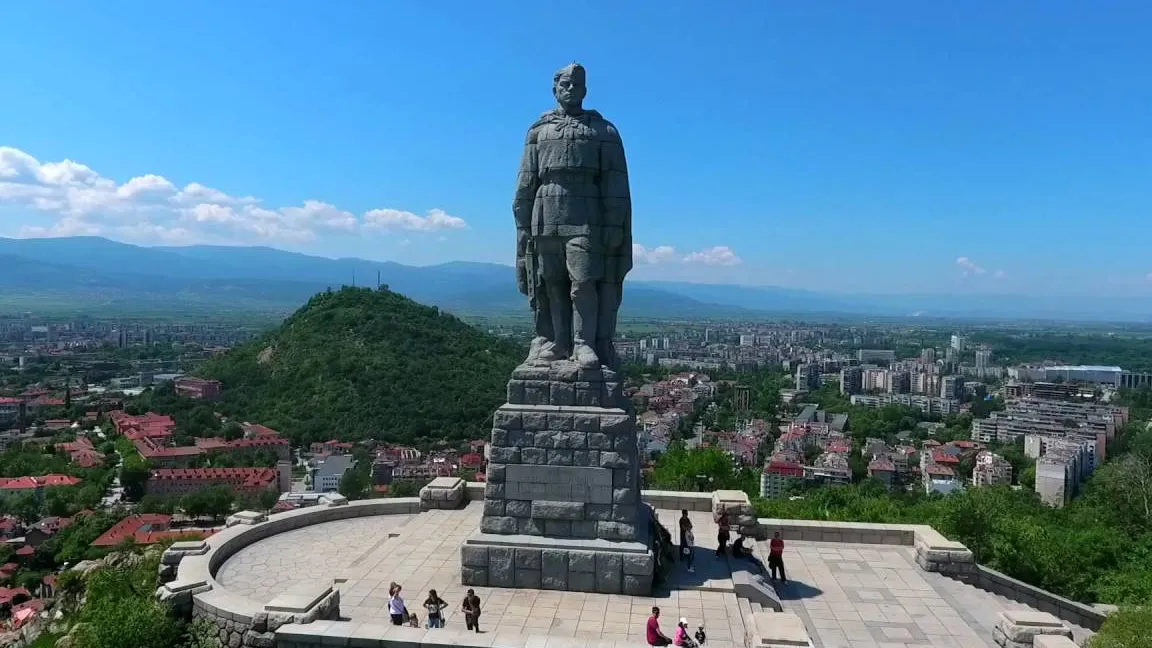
(888, 149)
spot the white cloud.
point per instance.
(721, 255)
(999, 274)
(659, 254)
(393, 219)
(968, 267)
(76, 200)
(1148, 277)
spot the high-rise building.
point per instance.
(983, 358)
(952, 387)
(899, 382)
(958, 343)
(851, 380)
(927, 356)
(807, 377)
(741, 398)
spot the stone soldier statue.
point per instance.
(573, 215)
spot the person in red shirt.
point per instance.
(776, 557)
(655, 637)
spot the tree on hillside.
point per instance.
(368, 364)
(690, 470)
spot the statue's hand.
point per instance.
(521, 277)
(613, 237)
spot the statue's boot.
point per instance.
(584, 355)
(549, 352)
(534, 349)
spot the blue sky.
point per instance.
(888, 146)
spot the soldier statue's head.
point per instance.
(569, 87)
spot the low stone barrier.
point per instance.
(934, 552)
(1086, 616)
(240, 621)
(677, 500)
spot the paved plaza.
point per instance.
(875, 596)
(848, 595)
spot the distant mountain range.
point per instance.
(91, 273)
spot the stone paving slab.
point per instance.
(264, 570)
(875, 596)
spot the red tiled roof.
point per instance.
(211, 443)
(881, 465)
(25, 551)
(149, 449)
(242, 477)
(148, 528)
(784, 468)
(10, 594)
(258, 442)
(945, 458)
(257, 430)
(34, 482)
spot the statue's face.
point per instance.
(570, 89)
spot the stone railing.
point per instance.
(1086, 616)
(936, 553)
(193, 589)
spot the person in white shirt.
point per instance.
(396, 607)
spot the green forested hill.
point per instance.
(359, 363)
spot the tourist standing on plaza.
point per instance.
(655, 636)
(396, 605)
(471, 607)
(776, 557)
(724, 534)
(689, 549)
(685, 530)
(435, 606)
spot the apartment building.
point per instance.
(952, 387)
(876, 355)
(198, 388)
(172, 482)
(991, 470)
(1025, 416)
(926, 404)
(781, 472)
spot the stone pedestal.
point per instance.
(562, 503)
(741, 513)
(442, 493)
(1020, 628)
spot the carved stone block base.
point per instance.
(565, 383)
(571, 565)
